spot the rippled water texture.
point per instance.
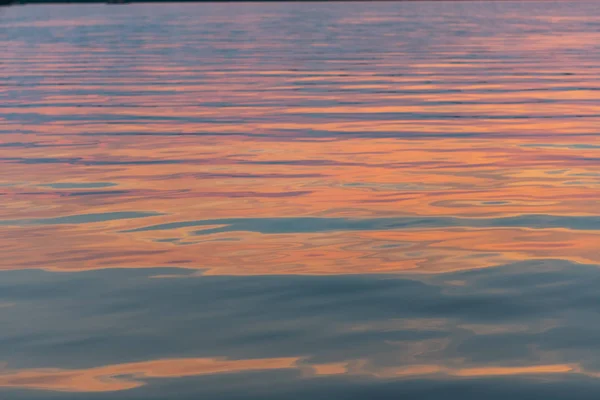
(300, 201)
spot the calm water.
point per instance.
(300, 201)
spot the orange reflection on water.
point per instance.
(245, 253)
(128, 376)
(119, 377)
(189, 178)
(494, 124)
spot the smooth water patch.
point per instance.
(133, 336)
(80, 219)
(316, 224)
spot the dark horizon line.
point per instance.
(25, 2)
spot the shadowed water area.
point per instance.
(300, 201)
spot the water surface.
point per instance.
(291, 201)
